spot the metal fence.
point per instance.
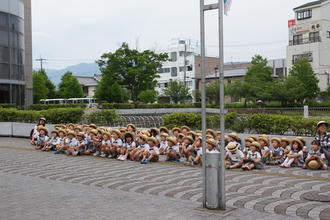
(143, 121)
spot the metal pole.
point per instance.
(202, 31)
(185, 63)
(222, 192)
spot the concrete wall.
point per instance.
(15, 129)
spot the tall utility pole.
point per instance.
(185, 62)
(221, 194)
(41, 60)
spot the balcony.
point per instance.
(304, 41)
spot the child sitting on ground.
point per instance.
(265, 152)
(41, 138)
(187, 146)
(234, 156)
(51, 143)
(128, 146)
(70, 142)
(78, 148)
(60, 142)
(315, 159)
(163, 143)
(253, 158)
(295, 157)
(285, 144)
(137, 153)
(276, 153)
(116, 143)
(152, 153)
(106, 145)
(172, 150)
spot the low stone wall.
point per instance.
(16, 129)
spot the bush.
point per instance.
(102, 117)
(253, 123)
(64, 115)
(147, 96)
(39, 107)
(117, 106)
(7, 105)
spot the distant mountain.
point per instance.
(82, 69)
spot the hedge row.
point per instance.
(104, 117)
(253, 123)
(5, 105)
(60, 115)
(39, 107)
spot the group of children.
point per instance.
(178, 144)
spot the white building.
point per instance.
(89, 84)
(174, 69)
(309, 37)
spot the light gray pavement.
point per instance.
(37, 185)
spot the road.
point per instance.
(38, 185)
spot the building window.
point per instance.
(297, 39)
(314, 37)
(174, 71)
(328, 34)
(174, 56)
(304, 14)
(189, 83)
(165, 70)
(181, 68)
(190, 68)
(307, 56)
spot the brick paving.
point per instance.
(273, 193)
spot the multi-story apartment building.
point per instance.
(309, 37)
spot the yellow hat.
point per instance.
(153, 140)
(263, 138)
(256, 144)
(212, 142)
(234, 136)
(189, 138)
(277, 140)
(116, 131)
(313, 165)
(172, 140)
(232, 146)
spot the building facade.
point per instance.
(89, 84)
(309, 37)
(174, 69)
(15, 52)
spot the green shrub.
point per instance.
(61, 115)
(117, 106)
(102, 117)
(7, 105)
(39, 107)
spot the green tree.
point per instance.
(137, 71)
(212, 91)
(303, 73)
(69, 87)
(40, 89)
(109, 90)
(147, 96)
(177, 92)
(50, 85)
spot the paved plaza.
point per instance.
(38, 185)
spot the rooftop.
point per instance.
(88, 80)
(310, 4)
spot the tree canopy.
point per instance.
(69, 87)
(40, 90)
(136, 71)
(177, 92)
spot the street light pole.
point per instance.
(221, 194)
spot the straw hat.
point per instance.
(54, 132)
(212, 142)
(185, 127)
(93, 126)
(116, 131)
(234, 136)
(123, 130)
(277, 140)
(264, 135)
(164, 135)
(213, 133)
(189, 138)
(107, 134)
(180, 135)
(176, 129)
(144, 137)
(153, 140)
(144, 132)
(249, 139)
(232, 146)
(71, 133)
(298, 141)
(256, 144)
(42, 128)
(313, 165)
(209, 137)
(172, 140)
(302, 140)
(254, 138)
(286, 140)
(81, 135)
(163, 129)
(191, 133)
(155, 130)
(263, 138)
(62, 131)
(133, 126)
(79, 128)
(93, 131)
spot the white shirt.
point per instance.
(255, 155)
(129, 145)
(42, 138)
(108, 142)
(199, 151)
(264, 149)
(80, 143)
(71, 142)
(60, 141)
(212, 151)
(163, 145)
(144, 146)
(237, 156)
(153, 150)
(118, 142)
(175, 148)
(53, 140)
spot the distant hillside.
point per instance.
(82, 69)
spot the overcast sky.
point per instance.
(68, 32)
